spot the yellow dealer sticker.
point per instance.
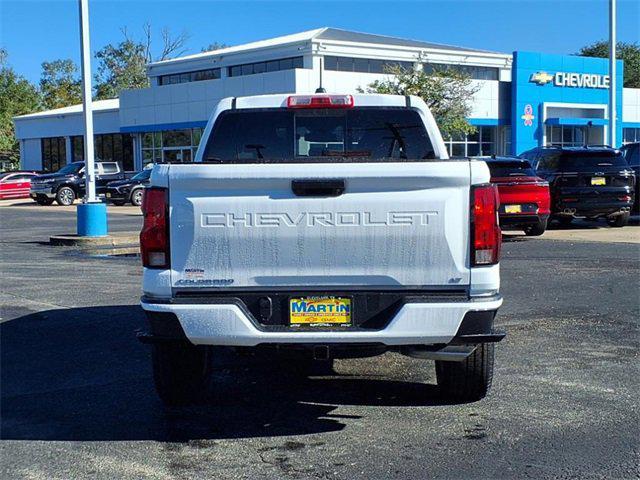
(320, 311)
(512, 209)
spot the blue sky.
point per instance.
(35, 31)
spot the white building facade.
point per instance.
(165, 121)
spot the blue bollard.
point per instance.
(92, 220)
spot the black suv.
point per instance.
(586, 182)
(131, 190)
(631, 153)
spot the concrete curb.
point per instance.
(114, 240)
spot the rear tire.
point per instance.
(44, 201)
(65, 196)
(136, 197)
(180, 372)
(469, 380)
(619, 220)
(536, 230)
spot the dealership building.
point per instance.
(522, 100)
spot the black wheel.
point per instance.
(619, 220)
(136, 197)
(180, 371)
(44, 201)
(118, 203)
(469, 380)
(535, 230)
(65, 196)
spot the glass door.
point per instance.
(176, 155)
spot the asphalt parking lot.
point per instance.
(77, 398)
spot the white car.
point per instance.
(333, 226)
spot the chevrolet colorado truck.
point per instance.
(321, 227)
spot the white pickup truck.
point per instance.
(322, 226)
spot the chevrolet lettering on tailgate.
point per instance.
(320, 219)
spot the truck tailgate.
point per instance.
(396, 225)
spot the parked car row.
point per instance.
(563, 183)
(68, 184)
(543, 184)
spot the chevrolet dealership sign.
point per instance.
(568, 79)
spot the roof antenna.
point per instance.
(321, 89)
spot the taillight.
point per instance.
(485, 230)
(320, 101)
(154, 237)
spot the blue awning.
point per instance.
(576, 121)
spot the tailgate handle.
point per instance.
(318, 188)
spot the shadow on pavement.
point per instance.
(80, 374)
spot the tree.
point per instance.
(17, 97)
(59, 85)
(447, 92)
(628, 52)
(214, 46)
(123, 66)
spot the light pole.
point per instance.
(92, 214)
(612, 73)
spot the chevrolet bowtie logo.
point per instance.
(541, 78)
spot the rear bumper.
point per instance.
(227, 323)
(521, 220)
(591, 203)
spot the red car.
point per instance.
(524, 197)
(15, 184)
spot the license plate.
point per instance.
(512, 209)
(33, 195)
(598, 181)
(108, 195)
(320, 311)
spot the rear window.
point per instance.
(592, 160)
(110, 168)
(511, 169)
(319, 135)
(567, 161)
(632, 154)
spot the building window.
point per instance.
(110, 147)
(269, 66)
(197, 76)
(477, 73)
(565, 136)
(481, 142)
(54, 153)
(172, 146)
(364, 65)
(506, 141)
(630, 135)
